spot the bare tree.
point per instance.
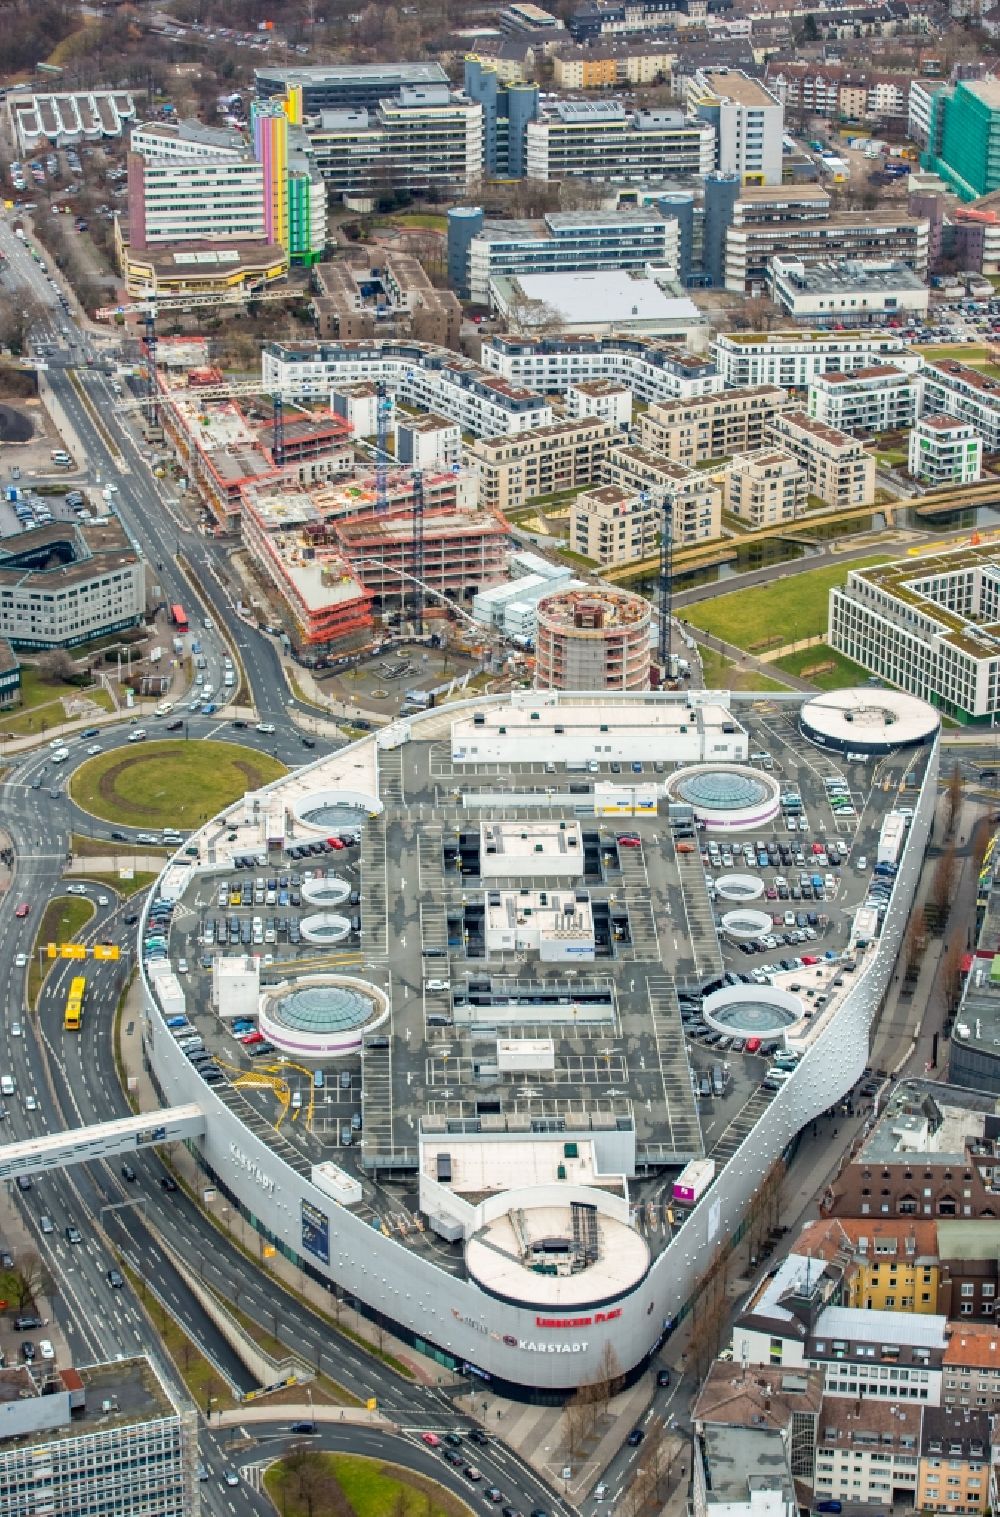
(952, 978)
(916, 942)
(953, 799)
(56, 666)
(943, 885)
(29, 1280)
(16, 321)
(535, 318)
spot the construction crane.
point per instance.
(418, 550)
(383, 409)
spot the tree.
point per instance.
(953, 799)
(29, 1280)
(16, 322)
(536, 318)
(943, 885)
(309, 1476)
(952, 978)
(56, 667)
(916, 942)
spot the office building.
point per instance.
(695, 497)
(765, 487)
(694, 430)
(613, 525)
(514, 470)
(964, 137)
(920, 107)
(650, 367)
(400, 301)
(747, 120)
(10, 675)
(602, 140)
(63, 583)
(966, 394)
(592, 304)
(524, 17)
(866, 293)
(343, 86)
(507, 108)
(418, 374)
(943, 451)
(561, 242)
(880, 399)
(107, 1438)
(593, 639)
(65, 119)
(421, 139)
(793, 359)
(294, 192)
(838, 469)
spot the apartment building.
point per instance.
(603, 140)
(613, 525)
(765, 487)
(747, 120)
(838, 290)
(963, 144)
(955, 1459)
(920, 107)
(561, 242)
(606, 64)
(837, 468)
(604, 398)
(693, 430)
(972, 1367)
(652, 368)
(943, 451)
(64, 584)
(805, 89)
(793, 359)
(880, 399)
(420, 375)
(562, 456)
(402, 303)
(955, 389)
(696, 511)
(104, 1438)
(419, 140)
(888, 1265)
(787, 1403)
(868, 1451)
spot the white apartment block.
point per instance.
(419, 375)
(601, 140)
(846, 290)
(923, 626)
(793, 359)
(696, 513)
(613, 525)
(185, 141)
(604, 398)
(881, 399)
(836, 465)
(748, 121)
(711, 426)
(918, 109)
(953, 389)
(420, 138)
(651, 368)
(943, 451)
(765, 487)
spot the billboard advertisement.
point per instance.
(316, 1232)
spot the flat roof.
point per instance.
(615, 294)
(738, 87)
(504, 1258)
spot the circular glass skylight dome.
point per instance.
(723, 789)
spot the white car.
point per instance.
(138, 736)
(20, 960)
(232, 1478)
(57, 742)
(103, 900)
(862, 864)
(30, 1104)
(265, 727)
(182, 966)
(94, 748)
(438, 985)
(110, 488)
(76, 890)
(45, 1348)
(15, 1029)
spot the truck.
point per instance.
(155, 654)
(890, 840)
(178, 645)
(179, 618)
(693, 1181)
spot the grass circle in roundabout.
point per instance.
(169, 784)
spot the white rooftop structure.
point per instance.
(532, 729)
(916, 1330)
(600, 298)
(868, 720)
(503, 1255)
(530, 848)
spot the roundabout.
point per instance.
(169, 783)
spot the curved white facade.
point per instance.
(527, 1349)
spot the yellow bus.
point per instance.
(74, 1004)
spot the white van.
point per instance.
(164, 708)
(6, 1085)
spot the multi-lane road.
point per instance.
(67, 1080)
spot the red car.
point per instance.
(22, 910)
(817, 848)
(252, 1037)
(431, 1439)
(753, 1045)
(335, 843)
(628, 840)
(810, 958)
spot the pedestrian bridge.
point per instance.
(105, 1140)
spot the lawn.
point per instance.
(373, 1489)
(722, 674)
(805, 662)
(178, 784)
(200, 1376)
(424, 219)
(790, 608)
(41, 703)
(63, 919)
(102, 848)
(125, 888)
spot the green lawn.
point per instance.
(100, 848)
(64, 917)
(580, 559)
(125, 888)
(425, 219)
(790, 609)
(178, 784)
(41, 705)
(962, 352)
(804, 660)
(722, 674)
(373, 1489)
